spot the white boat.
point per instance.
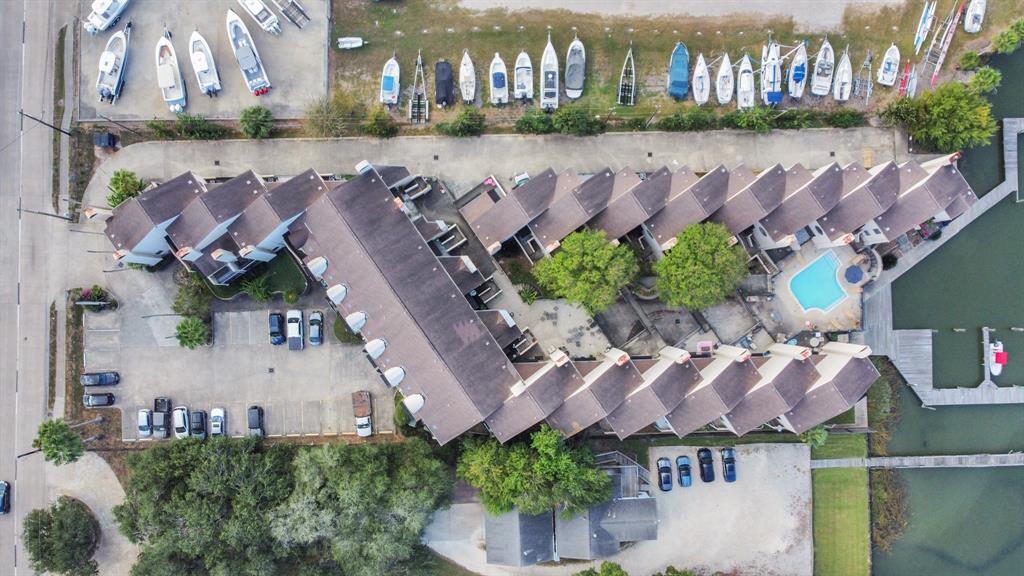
(745, 84)
(263, 15)
(499, 81)
(467, 78)
(724, 81)
(168, 75)
(549, 77)
(202, 62)
(350, 42)
(995, 354)
(701, 81)
(575, 69)
(524, 77)
(247, 56)
(627, 80)
(104, 14)
(924, 25)
(389, 82)
(771, 74)
(844, 78)
(890, 67)
(113, 61)
(975, 16)
(797, 80)
(824, 67)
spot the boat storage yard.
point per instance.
(295, 60)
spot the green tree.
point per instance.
(196, 127)
(815, 437)
(970, 60)
(702, 268)
(985, 80)
(846, 118)
(588, 270)
(577, 121)
(193, 297)
(380, 124)
(61, 539)
(257, 288)
(192, 332)
(534, 477)
(760, 119)
(1018, 27)
(58, 442)
(606, 569)
(951, 118)
(124, 185)
(799, 119)
(673, 571)
(535, 121)
(469, 122)
(688, 119)
(256, 122)
(1006, 42)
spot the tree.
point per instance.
(334, 116)
(469, 122)
(702, 268)
(577, 121)
(380, 124)
(535, 121)
(192, 332)
(1006, 42)
(846, 118)
(688, 119)
(256, 122)
(58, 442)
(815, 437)
(196, 127)
(588, 270)
(257, 288)
(673, 571)
(985, 80)
(951, 118)
(607, 569)
(192, 298)
(970, 60)
(760, 119)
(61, 539)
(124, 185)
(534, 477)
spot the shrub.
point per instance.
(124, 185)
(577, 121)
(799, 118)
(1006, 42)
(889, 261)
(986, 80)
(61, 539)
(380, 124)
(528, 295)
(759, 119)
(469, 122)
(193, 298)
(332, 117)
(846, 118)
(815, 437)
(192, 332)
(257, 288)
(256, 122)
(688, 119)
(162, 129)
(291, 297)
(970, 60)
(535, 121)
(1018, 28)
(196, 127)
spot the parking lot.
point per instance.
(295, 61)
(303, 393)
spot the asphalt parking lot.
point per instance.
(303, 393)
(295, 61)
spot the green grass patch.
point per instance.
(841, 522)
(842, 446)
(58, 112)
(847, 418)
(883, 405)
(636, 447)
(283, 274)
(345, 335)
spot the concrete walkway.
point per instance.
(956, 461)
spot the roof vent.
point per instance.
(413, 403)
(317, 266)
(394, 375)
(364, 167)
(356, 321)
(374, 348)
(559, 357)
(618, 356)
(336, 293)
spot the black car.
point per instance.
(5, 497)
(255, 417)
(276, 328)
(197, 424)
(99, 378)
(707, 465)
(665, 474)
(96, 400)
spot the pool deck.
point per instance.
(845, 315)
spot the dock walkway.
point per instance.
(957, 461)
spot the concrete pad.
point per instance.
(330, 420)
(311, 423)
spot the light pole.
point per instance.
(50, 214)
(47, 124)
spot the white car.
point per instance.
(218, 423)
(179, 421)
(293, 330)
(145, 421)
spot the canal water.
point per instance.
(967, 521)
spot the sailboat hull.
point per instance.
(824, 69)
(798, 73)
(575, 69)
(745, 85)
(724, 81)
(499, 81)
(467, 79)
(701, 81)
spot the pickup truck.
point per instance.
(161, 417)
(362, 408)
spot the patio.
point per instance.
(790, 316)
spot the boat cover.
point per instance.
(499, 80)
(165, 75)
(388, 83)
(199, 62)
(246, 58)
(107, 62)
(1002, 357)
(444, 85)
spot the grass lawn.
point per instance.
(842, 544)
(842, 446)
(284, 277)
(636, 448)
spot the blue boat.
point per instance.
(679, 72)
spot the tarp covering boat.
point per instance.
(444, 84)
(679, 72)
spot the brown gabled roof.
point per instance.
(714, 396)
(463, 272)
(221, 203)
(690, 201)
(922, 196)
(773, 397)
(866, 194)
(281, 202)
(134, 219)
(806, 199)
(501, 326)
(822, 403)
(542, 394)
(635, 205)
(572, 210)
(664, 386)
(749, 202)
(605, 387)
(538, 192)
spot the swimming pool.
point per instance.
(816, 287)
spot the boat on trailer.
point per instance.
(467, 78)
(549, 77)
(844, 78)
(924, 25)
(389, 82)
(627, 80)
(771, 74)
(575, 69)
(113, 61)
(824, 69)
(263, 15)
(679, 72)
(725, 82)
(201, 56)
(293, 12)
(168, 75)
(745, 84)
(890, 67)
(248, 58)
(797, 79)
(499, 81)
(104, 14)
(975, 16)
(419, 104)
(524, 77)
(701, 81)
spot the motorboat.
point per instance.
(996, 358)
(104, 14)
(389, 82)
(247, 56)
(745, 84)
(975, 16)
(350, 42)
(890, 67)
(499, 81)
(203, 64)
(263, 15)
(113, 61)
(824, 68)
(467, 78)
(701, 81)
(419, 104)
(627, 80)
(444, 84)
(575, 69)
(771, 74)
(924, 25)
(797, 80)
(725, 83)
(844, 78)
(168, 75)
(549, 77)
(524, 77)
(679, 72)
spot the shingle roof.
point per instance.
(866, 194)
(134, 219)
(774, 395)
(635, 205)
(690, 200)
(599, 531)
(664, 386)
(605, 387)
(748, 203)
(725, 383)
(542, 394)
(922, 196)
(517, 539)
(806, 199)
(571, 210)
(537, 193)
(832, 398)
(501, 326)
(221, 203)
(463, 272)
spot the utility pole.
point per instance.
(132, 130)
(47, 124)
(50, 214)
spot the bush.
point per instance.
(970, 60)
(469, 122)
(535, 121)
(62, 538)
(846, 118)
(986, 80)
(162, 129)
(332, 117)
(124, 185)
(193, 297)
(760, 119)
(291, 297)
(196, 127)
(577, 121)
(889, 261)
(192, 332)
(889, 509)
(687, 120)
(815, 437)
(380, 124)
(1006, 42)
(257, 288)
(256, 122)
(528, 295)
(1018, 28)
(799, 118)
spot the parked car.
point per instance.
(197, 424)
(255, 417)
(145, 421)
(316, 328)
(161, 417)
(276, 328)
(179, 420)
(362, 409)
(683, 465)
(729, 464)
(294, 330)
(5, 497)
(218, 423)
(97, 400)
(99, 378)
(707, 465)
(665, 474)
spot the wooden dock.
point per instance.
(903, 462)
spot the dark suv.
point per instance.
(99, 378)
(707, 465)
(276, 328)
(255, 417)
(5, 497)
(96, 400)
(197, 424)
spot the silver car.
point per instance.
(145, 421)
(218, 424)
(179, 421)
